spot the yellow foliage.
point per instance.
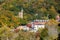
(25, 5)
(53, 9)
(43, 9)
(41, 0)
(52, 22)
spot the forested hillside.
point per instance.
(13, 27)
(33, 9)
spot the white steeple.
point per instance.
(21, 14)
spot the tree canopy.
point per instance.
(44, 9)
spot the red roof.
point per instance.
(37, 23)
(29, 25)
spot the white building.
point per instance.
(21, 14)
(23, 28)
(38, 24)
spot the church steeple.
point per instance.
(21, 14)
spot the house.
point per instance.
(25, 28)
(36, 24)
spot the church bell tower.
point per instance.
(21, 14)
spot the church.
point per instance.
(21, 14)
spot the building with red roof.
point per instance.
(36, 24)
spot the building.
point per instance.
(36, 24)
(21, 14)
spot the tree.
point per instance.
(52, 28)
